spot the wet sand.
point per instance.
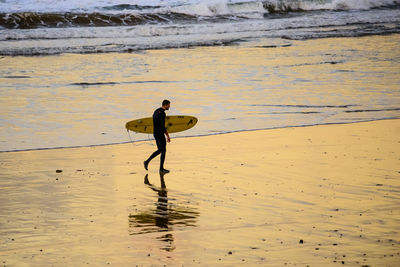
(318, 196)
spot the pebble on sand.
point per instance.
(58, 171)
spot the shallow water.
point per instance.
(79, 100)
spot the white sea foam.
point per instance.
(155, 36)
(346, 4)
(65, 5)
(194, 7)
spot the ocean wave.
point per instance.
(188, 6)
(119, 48)
(29, 48)
(142, 39)
(36, 14)
(170, 27)
(30, 20)
(308, 5)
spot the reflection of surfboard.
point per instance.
(172, 123)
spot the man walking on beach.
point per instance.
(158, 131)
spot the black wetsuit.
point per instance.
(159, 122)
(158, 132)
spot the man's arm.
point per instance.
(165, 129)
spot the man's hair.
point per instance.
(165, 102)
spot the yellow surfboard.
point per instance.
(173, 124)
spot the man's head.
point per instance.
(166, 104)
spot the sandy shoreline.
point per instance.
(241, 198)
(132, 135)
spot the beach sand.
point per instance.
(319, 196)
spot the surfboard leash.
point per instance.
(149, 139)
(133, 142)
(130, 137)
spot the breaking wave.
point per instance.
(29, 20)
(29, 14)
(49, 27)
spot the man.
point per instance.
(158, 131)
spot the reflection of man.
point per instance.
(162, 212)
(158, 131)
(164, 217)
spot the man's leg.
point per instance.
(152, 156)
(162, 144)
(160, 148)
(162, 159)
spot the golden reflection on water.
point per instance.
(163, 218)
(87, 99)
